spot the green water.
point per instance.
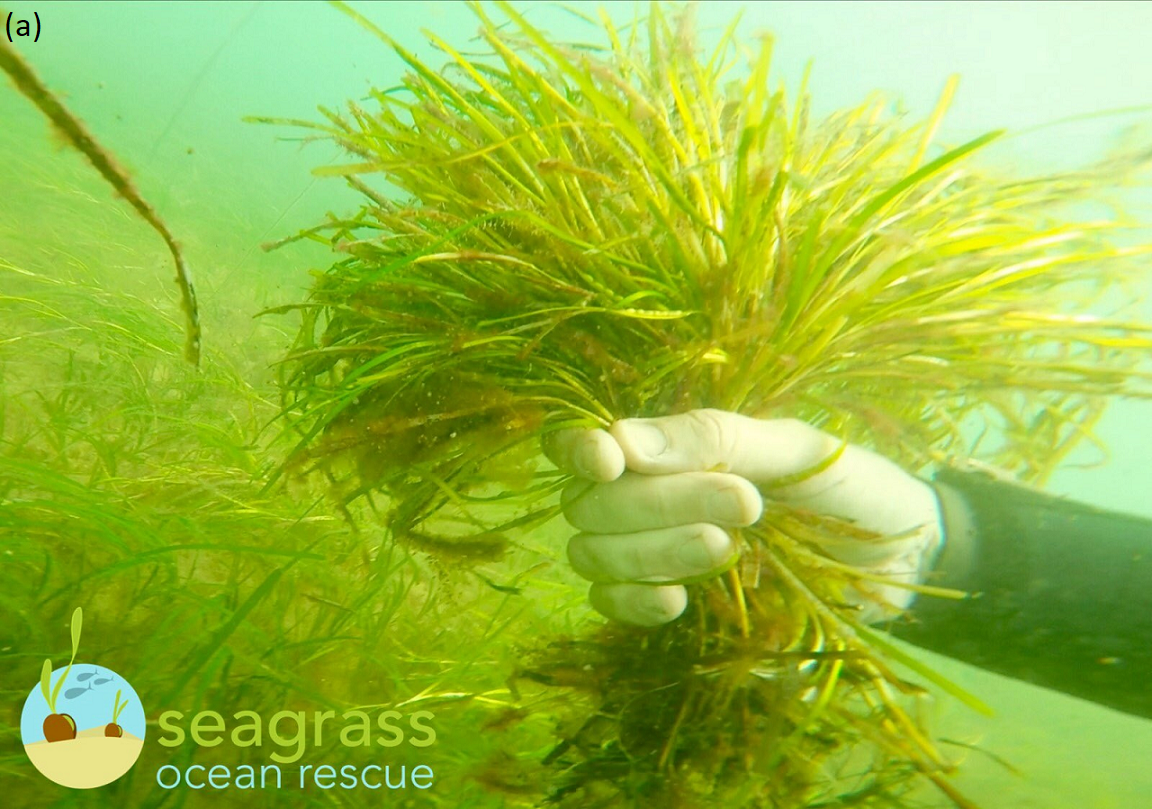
(213, 594)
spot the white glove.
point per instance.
(653, 498)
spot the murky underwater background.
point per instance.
(218, 595)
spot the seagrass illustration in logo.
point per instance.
(83, 724)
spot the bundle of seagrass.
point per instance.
(566, 236)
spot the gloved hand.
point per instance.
(652, 499)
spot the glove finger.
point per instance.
(643, 502)
(761, 450)
(670, 554)
(638, 604)
(588, 454)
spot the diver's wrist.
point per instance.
(954, 563)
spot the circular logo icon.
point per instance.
(82, 725)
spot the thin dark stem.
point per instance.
(29, 84)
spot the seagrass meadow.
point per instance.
(533, 218)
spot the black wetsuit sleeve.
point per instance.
(1064, 591)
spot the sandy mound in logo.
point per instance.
(83, 725)
(90, 760)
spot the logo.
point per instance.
(83, 725)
